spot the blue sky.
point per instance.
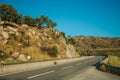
(75, 17)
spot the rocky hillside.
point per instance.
(84, 43)
(22, 42)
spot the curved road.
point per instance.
(59, 72)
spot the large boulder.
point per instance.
(22, 57)
(32, 32)
(12, 29)
(38, 44)
(71, 51)
(3, 37)
(4, 41)
(1, 28)
(4, 34)
(15, 55)
(9, 59)
(62, 40)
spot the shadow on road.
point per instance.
(97, 65)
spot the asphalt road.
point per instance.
(57, 72)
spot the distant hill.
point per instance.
(94, 45)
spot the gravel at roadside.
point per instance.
(91, 73)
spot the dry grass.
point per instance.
(114, 61)
(36, 53)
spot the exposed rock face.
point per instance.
(1, 28)
(71, 51)
(15, 55)
(12, 29)
(3, 37)
(9, 59)
(25, 40)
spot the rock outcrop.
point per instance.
(18, 41)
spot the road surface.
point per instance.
(58, 72)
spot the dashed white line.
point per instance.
(40, 74)
(67, 67)
(79, 64)
(84, 62)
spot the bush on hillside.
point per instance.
(53, 51)
(71, 41)
(63, 34)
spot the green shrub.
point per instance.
(72, 41)
(53, 51)
(55, 62)
(63, 34)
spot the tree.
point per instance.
(37, 20)
(29, 21)
(63, 34)
(50, 23)
(54, 24)
(45, 20)
(8, 13)
(18, 19)
(40, 21)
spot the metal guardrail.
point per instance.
(112, 69)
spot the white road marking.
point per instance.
(79, 64)
(67, 67)
(5, 74)
(40, 74)
(84, 62)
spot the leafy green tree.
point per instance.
(8, 13)
(45, 20)
(50, 23)
(18, 19)
(29, 21)
(54, 24)
(37, 22)
(41, 21)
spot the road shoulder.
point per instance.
(91, 73)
